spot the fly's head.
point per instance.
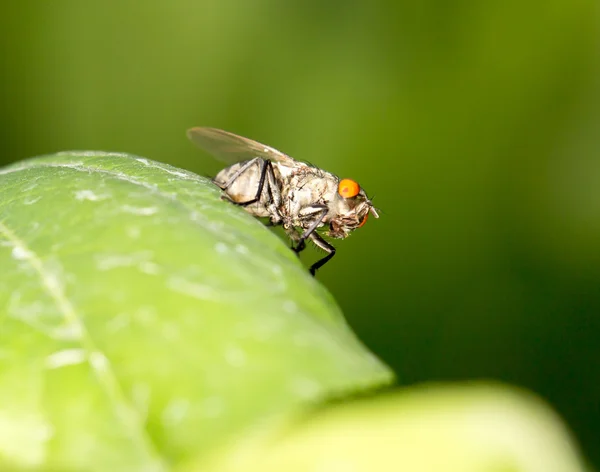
(349, 209)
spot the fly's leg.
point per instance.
(294, 237)
(320, 242)
(299, 248)
(321, 211)
(265, 164)
(274, 195)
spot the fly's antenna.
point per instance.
(372, 208)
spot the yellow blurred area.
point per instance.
(475, 125)
(474, 428)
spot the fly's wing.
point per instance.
(231, 148)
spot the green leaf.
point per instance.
(443, 428)
(146, 322)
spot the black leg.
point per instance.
(310, 212)
(314, 209)
(319, 241)
(266, 165)
(300, 247)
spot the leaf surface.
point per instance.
(144, 321)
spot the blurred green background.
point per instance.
(476, 125)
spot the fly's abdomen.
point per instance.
(243, 187)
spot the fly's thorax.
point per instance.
(308, 186)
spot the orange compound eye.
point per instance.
(364, 220)
(348, 188)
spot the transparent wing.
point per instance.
(231, 148)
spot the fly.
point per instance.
(307, 201)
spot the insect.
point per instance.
(307, 201)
